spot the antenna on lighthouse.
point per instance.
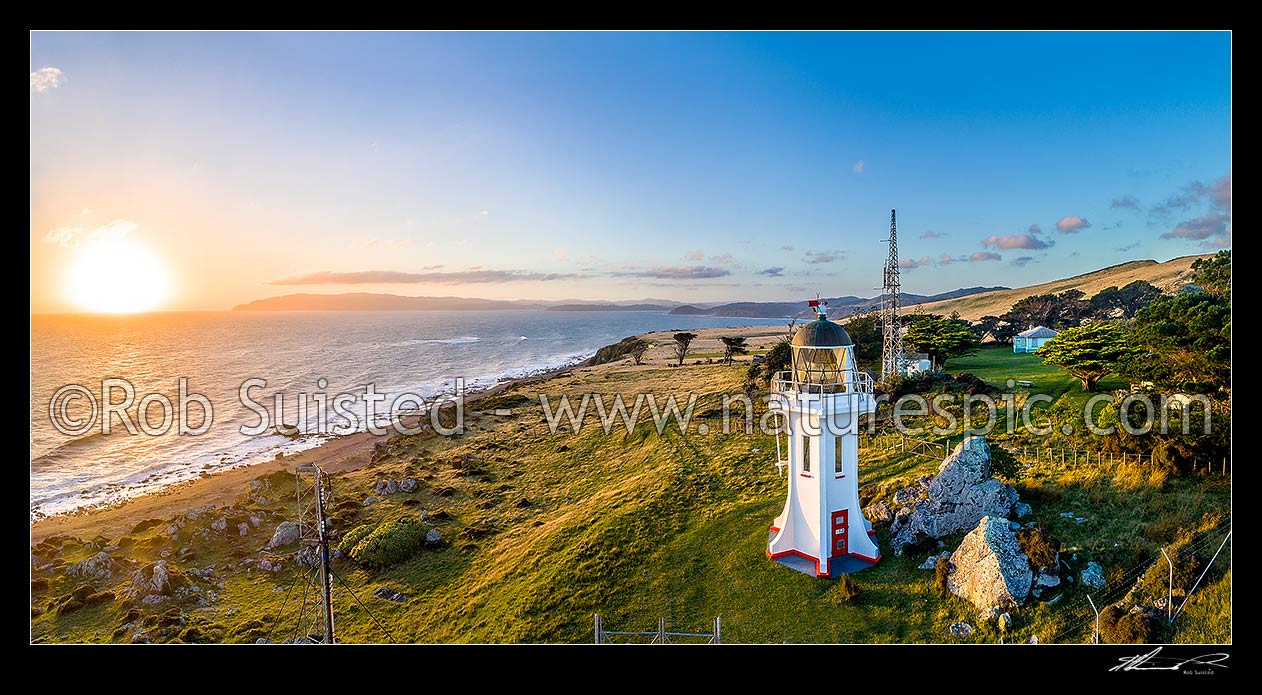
(892, 357)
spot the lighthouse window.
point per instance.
(806, 454)
(837, 455)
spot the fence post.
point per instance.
(1169, 588)
(1095, 637)
(597, 631)
(718, 629)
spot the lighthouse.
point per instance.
(822, 531)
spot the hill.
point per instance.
(1166, 276)
(837, 306)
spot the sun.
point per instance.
(117, 276)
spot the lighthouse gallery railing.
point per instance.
(846, 381)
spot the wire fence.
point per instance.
(659, 636)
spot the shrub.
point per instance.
(355, 535)
(941, 570)
(1004, 464)
(1039, 546)
(390, 543)
(1135, 627)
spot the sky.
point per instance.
(696, 167)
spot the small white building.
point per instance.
(1032, 339)
(821, 530)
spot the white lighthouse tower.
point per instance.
(822, 531)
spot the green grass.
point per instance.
(637, 527)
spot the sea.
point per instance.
(79, 362)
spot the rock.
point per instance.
(1034, 639)
(1036, 592)
(932, 561)
(173, 531)
(1015, 526)
(164, 553)
(98, 567)
(958, 497)
(243, 529)
(1005, 622)
(370, 500)
(219, 524)
(913, 493)
(389, 595)
(109, 548)
(989, 569)
(1069, 578)
(1080, 519)
(961, 629)
(287, 532)
(386, 487)
(409, 486)
(1022, 510)
(266, 565)
(878, 513)
(424, 515)
(433, 537)
(140, 637)
(152, 579)
(1046, 579)
(1093, 576)
(256, 521)
(1067, 515)
(153, 599)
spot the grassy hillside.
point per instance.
(1164, 275)
(541, 531)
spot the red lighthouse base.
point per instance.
(832, 568)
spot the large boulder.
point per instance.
(99, 567)
(989, 569)
(154, 579)
(386, 487)
(878, 513)
(287, 532)
(1093, 576)
(957, 498)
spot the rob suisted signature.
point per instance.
(1152, 662)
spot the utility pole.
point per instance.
(892, 357)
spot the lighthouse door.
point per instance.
(840, 528)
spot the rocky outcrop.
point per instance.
(878, 513)
(99, 567)
(287, 532)
(409, 485)
(989, 569)
(153, 579)
(955, 499)
(1092, 576)
(932, 561)
(386, 487)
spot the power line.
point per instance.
(366, 609)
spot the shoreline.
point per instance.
(340, 454)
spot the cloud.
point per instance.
(817, 257)
(1126, 202)
(1129, 247)
(930, 234)
(787, 247)
(912, 263)
(1015, 241)
(1021, 261)
(1218, 194)
(694, 255)
(858, 167)
(1218, 242)
(393, 277)
(1070, 224)
(772, 272)
(677, 272)
(69, 237)
(976, 256)
(1034, 229)
(1213, 224)
(45, 79)
(484, 213)
(722, 258)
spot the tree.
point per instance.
(1088, 352)
(865, 330)
(682, 341)
(777, 358)
(733, 345)
(1001, 331)
(941, 338)
(1052, 310)
(1112, 302)
(1185, 343)
(1214, 274)
(637, 350)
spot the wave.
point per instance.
(443, 341)
(56, 452)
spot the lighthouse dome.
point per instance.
(821, 333)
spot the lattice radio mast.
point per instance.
(892, 357)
